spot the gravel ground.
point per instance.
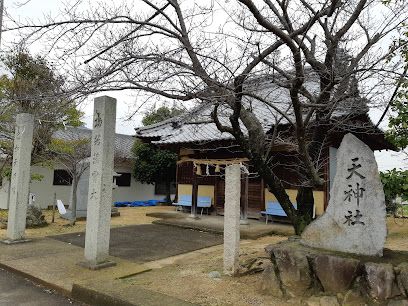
(186, 277)
(128, 216)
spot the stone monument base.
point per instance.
(244, 222)
(97, 266)
(17, 241)
(194, 217)
(344, 279)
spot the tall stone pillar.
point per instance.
(100, 184)
(20, 178)
(231, 219)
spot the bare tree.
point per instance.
(222, 53)
(71, 150)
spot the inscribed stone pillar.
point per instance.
(100, 183)
(231, 219)
(20, 178)
(355, 219)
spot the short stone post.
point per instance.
(231, 219)
(100, 184)
(20, 178)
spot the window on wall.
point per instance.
(160, 188)
(62, 178)
(124, 179)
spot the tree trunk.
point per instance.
(275, 186)
(305, 203)
(74, 200)
(168, 192)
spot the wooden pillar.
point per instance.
(176, 196)
(216, 194)
(194, 197)
(263, 206)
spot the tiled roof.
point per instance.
(197, 125)
(123, 143)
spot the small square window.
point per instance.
(124, 179)
(62, 178)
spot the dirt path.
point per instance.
(186, 276)
(128, 216)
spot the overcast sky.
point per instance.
(36, 9)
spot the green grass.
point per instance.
(405, 210)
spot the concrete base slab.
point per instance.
(10, 242)
(97, 266)
(193, 217)
(215, 224)
(244, 222)
(54, 264)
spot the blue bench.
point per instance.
(183, 201)
(204, 202)
(186, 201)
(274, 209)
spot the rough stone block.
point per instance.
(294, 270)
(402, 278)
(335, 273)
(354, 298)
(270, 283)
(381, 281)
(398, 303)
(322, 301)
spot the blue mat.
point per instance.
(136, 203)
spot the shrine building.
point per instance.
(204, 151)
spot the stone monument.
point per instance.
(355, 219)
(232, 219)
(100, 184)
(20, 178)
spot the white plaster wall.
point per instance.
(136, 191)
(44, 190)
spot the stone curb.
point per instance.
(93, 297)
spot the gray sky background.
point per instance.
(36, 9)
